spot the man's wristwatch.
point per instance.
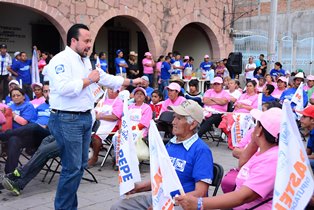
(90, 81)
(131, 81)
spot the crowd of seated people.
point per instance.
(222, 96)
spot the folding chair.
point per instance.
(218, 175)
(107, 142)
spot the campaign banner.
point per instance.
(297, 98)
(35, 71)
(242, 123)
(294, 183)
(129, 172)
(164, 178)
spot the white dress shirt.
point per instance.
(66, 72)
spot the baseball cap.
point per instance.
(217, 80)
(118, 51)
(3, 46)
(269, 119)
(37, 84)
(147, 54)
(186, 57)
(174, 86)
(133, 53)
(14, 82)
(145, 78)
(140, 89)
(308, 111)
(189, 108)
(310, 77)
(17, 53)
(284, 79)
(206, 56)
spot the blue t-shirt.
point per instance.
(24, 71)
(103, 64)
(177, 63)
(188, 65)
(310, 143)
(172, 60)
(165, 67)
(9, 102)
(206, 65)
(277, 73)
(267, 98)
(288, 94)
(25, 110)
(149, 91)
(43, 114)
(118, 61)
(192, 165)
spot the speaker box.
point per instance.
(234, 62)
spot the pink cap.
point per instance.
(269, 119)
(284, 79)
(206, 56)
(186, 57)
(140, 89)
(174, 86)
(147, 54)
(310, 77)
(217, 80)
(37, 84)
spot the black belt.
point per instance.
(69, 112)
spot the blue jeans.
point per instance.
(47, 149)
(27, 136)
(151, 79)
(163, 85)
(72, 132)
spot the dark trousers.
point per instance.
(27, 136)
(208, 123)
(4, 79)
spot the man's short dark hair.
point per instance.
(193, 82)
(278, 64)
(167, 58)
(270, 88)
(262, 55)
(46, 82)
(73, 32)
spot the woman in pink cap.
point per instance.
(140, 112)
(39, 96)
(173, 97)
(215, 103)
(309, 87)
(256, 178)
(148, 65)
(281, 86)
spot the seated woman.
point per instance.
(173, 96)
(23, 112)
(140, 112)
(281, 86)
(248, 100)
(215, 102)
(108, 111)
(256, 179)
(13, 84)
(39, 97)
(193, 93)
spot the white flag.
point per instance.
(97, 65)
(164, 178)
(294, 183)
(129, 172)
(297, 98)
(35, 71)
(242, 123)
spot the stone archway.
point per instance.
(142, 21)
(214, 34)
(56, 17)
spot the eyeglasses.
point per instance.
(46, 91)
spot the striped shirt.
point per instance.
(5, 61)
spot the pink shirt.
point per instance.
(147, 69)
(158, 67)
(37, 101)
(168, 102)
(247, 100)
(259, 175)
(117, 106)
(210, 93)
(277, 93)
(246, 139)
(147, 115)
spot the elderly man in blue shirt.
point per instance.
(191, 158)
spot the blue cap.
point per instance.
(118, 51)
